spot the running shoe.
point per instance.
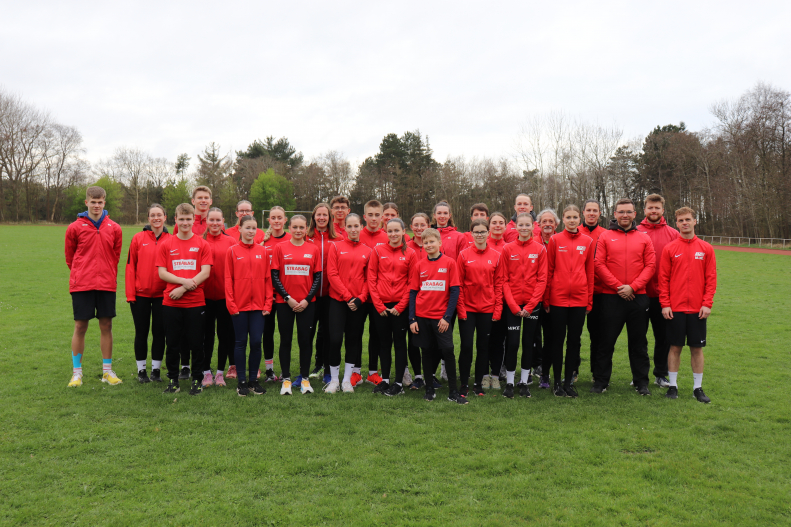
(455, 397)
(509, 391)
(327, 378)
(242, 390)
(574, 377)
(231, 372)
(381, 387)
(111, 378)
(537, 371)
(374, 379)
(173, 387)
(417, 384)
(529, 379)
(477, 389)
(332, 387)
(317, 372)
(256, 388)
(494, 383)
(219, 380)
(672, 392)
(305, 387)
(394, 389)
(76, 381)
(524, 390)
(285, 389)
(437, 384)
(559, 391)
(571, 391)
(486, 382)
(700, 396)
(643, 389)
(598, 388)
(298, 381)
(356, 379)
(142, 377)
(156, 375)
(347, 387)
(503, 373)
(443, 373)
(662, 382)
(407, 379)
(270, 376)
(544, 384)
(184, 374)
(430, 394)
(464, 390)
(196, 389)
(208, 380)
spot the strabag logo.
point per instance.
(699, 255)
(182, 265)
(297, 270)
(433, 285)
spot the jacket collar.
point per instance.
(615, 227)
(590, 229)
(96, 224)
(648, 225)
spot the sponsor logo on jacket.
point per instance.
(194, 249)
(442, 270)
(433, 285)
(699, 255)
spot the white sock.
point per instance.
(406, 370)
(334, 372)
(219, 372)
(398, 384)
(525, 375)
(185, 366)
(418, 376)
(141, 365)
(270, 364)
(371, 372)
(509, 377)
(156, 364)
(347, 372)
(672, 376)
(698, 378)
(386, 380)
(207, 372)
(355, 370)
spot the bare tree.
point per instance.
(61, 146)
(132, 167)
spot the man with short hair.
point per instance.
(372, 235)
(522, 203)
(244, 208)
(591, 213)
(340, 206)
(479, 211)
(661, 234)
(687, 283)
(201, 200)
(624, 262)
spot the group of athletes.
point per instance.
(511, 283)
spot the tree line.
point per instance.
(735, 173)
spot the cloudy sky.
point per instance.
(170, 77)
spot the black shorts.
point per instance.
(686, 328)
(429, 337)
(90, 304)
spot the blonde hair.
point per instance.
(185, 209)
(268, 233)
(431, 233)
(201, 188)
(571, 207)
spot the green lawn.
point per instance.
(129, 455)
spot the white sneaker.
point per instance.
(486, 382)
(494, 382)
(407, 380)
(286, 388)
(442, 373)
(347, 387)
(332, 387)
(306, 387)
(663, 382)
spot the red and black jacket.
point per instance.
(661, 234)
(624, 257)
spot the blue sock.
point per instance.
(107, 365)
(76, 363)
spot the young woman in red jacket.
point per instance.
(216, 310)
(569, 295)
(496, 240)
(248, 290)
(144, 291)
(480, 302)
(418, 224)
(388, 285)
(321, 233)
(453, 241)
(347, 267)
(274, 235)
(296, 278)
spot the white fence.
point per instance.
(771, 243)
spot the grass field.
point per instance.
(129, 455)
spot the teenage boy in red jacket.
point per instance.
(624, 262)
(591, 213)
(372, 235)
(93, 248)
(687, 283)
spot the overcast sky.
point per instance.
(170, 77)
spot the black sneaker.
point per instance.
(524, 389)
(197, 387)
(417, 384)
(430, 394)
(477, 389)
(538, 371)
(395, 389)
(700, 396)
(316, 373)
(256, 388)
(173, 387)
(662, 382)
(142, 377)
(185, 373)
(529, 379)
(509, 391)
(464, 390)
(559, 391)
(570, 391)
(455, 397)
(242, 389)
(270, 376)
(381, 387)
(643, 389)
(156, 375)
(672, 392)
(598, 388)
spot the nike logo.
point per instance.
(344, 252)
(471, 261)
(239, 257)
(145, 244)
(615, 240)
(286, 256)
(562, 247)
(676, 256)
(383, 257)
(173, 250)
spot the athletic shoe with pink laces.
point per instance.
(208, 380)
(231, 372)
(219, 380)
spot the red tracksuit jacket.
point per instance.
(200, 225)
(184, 258)
(233, 232)
(624, 257)
(570, 267)
(347, 267)
(388, 276)
(142, 275)
(481, 274)
(272, 242)
(594, 235)
(417, 248)
(92, 254)
(248, 281)
(340, 230)
(214, 286)
(687, 275)
(453, 241)
(432, 279)
(511, 234)
(322, 242)
(497, 245)
(297, 264)
(372, 239)
(525, 274)
(661, 234)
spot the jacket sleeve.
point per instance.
(403, 304)
(336, 282)
(507, 293)
(461, 310)
(230, 301)
(372, 275)
(541, 281)
(711, 279)
(71, 244)
(551, 252)
(365, 291)
(663, 280)
(649, 265)
(589, 272)
(130, 273)
(499, 278)
(600, 264)
(118, 243)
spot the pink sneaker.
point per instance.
(208, 380)
(219, 380)
(231, 372)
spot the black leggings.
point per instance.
(147, 313)
(571, 318)
(373, 340)
(269, 333)
(216, 310)
(482, 324)
(392, 330)
(184, 324)
(497, 343)
(414, 353)
(542, 353)
(594, 328)
(285, 320)
(321, 327)
(248, 323)
(349, 324)
(514, 324)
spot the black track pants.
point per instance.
(147, 314)
(514, 325)
(661, 344)
(347, 325)
(594, 329)
(480, 324)
(391, 332)
(184, 324)
(566, 320)
(285, 322)
(615, 313)
(321, 331)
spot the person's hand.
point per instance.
(352, 305)
(443, 325)
(235, 314)
(704, 312)
(189, 284)
(301, 306)
(265, 312)
(130, 302)
(413, 328)
(292, 303)
(626, 292)
(667, 313)
(384, 313)
(177, 293)
(394, 312)
(546, 308)
(495, 319)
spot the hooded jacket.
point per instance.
(661, 234)
(624, 257)
(141, 273)
(93, 250)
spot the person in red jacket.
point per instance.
(433, 296)
(661, 234)
(481, 274)
(499, 332)
(244, 208)
(479, 211)
(274, 235)
(388, 286)
(340, 207)
(216, 316)
(389, 212)
(184, 262)
(548, 222)
(569, 295)
(419, 223)
(144, 292)
(93, 249)
(591, 213)
(522, 204)
(525, 269)
(624, 262)
(321, 233)
(201, 201)
(687, 283)
(248, 293)
(296, 278)
(347, 265)
(372, 235)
